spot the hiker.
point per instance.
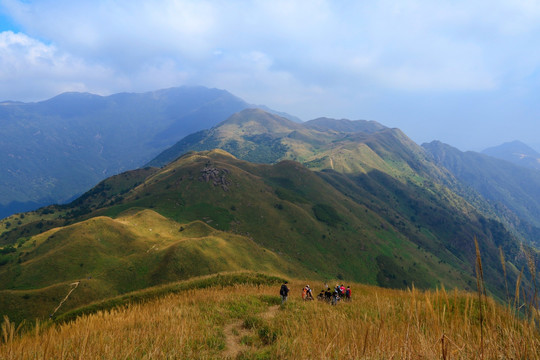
(335, 296)
(284, 292)
(348, 293)
(328, 294)
(342, 290)
(309, 293)
(321, 296)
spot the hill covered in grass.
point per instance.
(210, 212)
(380, 168)
(103, 257)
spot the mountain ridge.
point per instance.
(60, 147)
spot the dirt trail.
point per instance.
(233, 334)
(235, 331)
(73, 287)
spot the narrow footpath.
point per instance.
(235, 331)
(73, 287)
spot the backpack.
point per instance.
(283, 291)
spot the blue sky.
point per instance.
(463, 72)
(6, 23)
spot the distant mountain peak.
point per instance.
(516, 152)
(70, 95)
(515, 146)
(279, 113)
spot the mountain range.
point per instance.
(55, 150)
(327, 199)
(498, 189)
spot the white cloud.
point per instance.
(279, 52)
(30, 68)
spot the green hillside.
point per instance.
(404, 185)
(109, 257)
(209, 212)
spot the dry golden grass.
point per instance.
(385, 324)
(377, 324)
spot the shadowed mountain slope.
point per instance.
(512, 190)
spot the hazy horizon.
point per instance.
(464, 73)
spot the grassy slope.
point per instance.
(404, 186)
(363, 227)
(378, 323)
(275, 205)
(115, 256)
(390, 175)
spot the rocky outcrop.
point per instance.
(216, 176)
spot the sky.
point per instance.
(463, 72)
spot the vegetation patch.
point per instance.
(326, 214)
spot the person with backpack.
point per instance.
(348, 293)
(284, 292)
(309, 293)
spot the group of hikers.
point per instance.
(329, 295)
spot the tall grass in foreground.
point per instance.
(377, 324)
